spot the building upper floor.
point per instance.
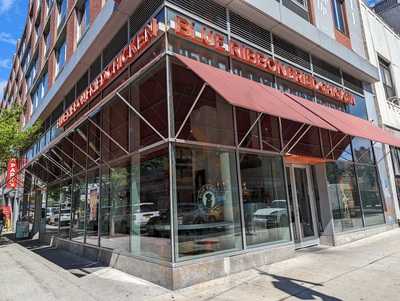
(382, 45)
(66, 43)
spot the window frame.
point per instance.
(340, 6)
(387, 81)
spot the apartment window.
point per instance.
(62, 11)
(386, 78)
(83, 18)
(339, 13)
(61, 56)
(47, 41)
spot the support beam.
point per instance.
(140, 116)
(251, 128)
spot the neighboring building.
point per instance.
(389, 10)
(382, 44)
(192, 139)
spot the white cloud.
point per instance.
(7, 38)
(5, 5)
(3, 84)
(5, 63)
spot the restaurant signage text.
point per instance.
(123, 59)
(212, 39)
(12, 174)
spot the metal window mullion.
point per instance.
(83, 152)
(171, 157)
(239, 179)
(69, 157)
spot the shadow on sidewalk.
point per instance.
(76, 265)
(292, 287)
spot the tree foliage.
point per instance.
(13, 138)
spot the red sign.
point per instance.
(211, 39)
(124, 58)
(12, 174)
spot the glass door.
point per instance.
(303, 217)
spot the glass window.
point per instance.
(61, 53)
(359, 109)
(65, 209)
(264, 199)
(62, 11)
(339, 15)
(207, 210)
(53, 209)
(211, 120)
(149, 96)
(370, 195)
(83, 18)
(78, 208)
(92, 207)
(386, 78)
(245, 120)
(291, 88)
(270, 133)
(396, 160)
(252, 73)
(343, 196)
(363, 151)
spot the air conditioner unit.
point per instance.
(395, 100)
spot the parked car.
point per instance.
(143, 212)
(271, 217)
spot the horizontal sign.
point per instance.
(211, 39)
(123, 59)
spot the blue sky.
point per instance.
(12, 21)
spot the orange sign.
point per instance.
(211, 39)
(124, 58)
(12, 174)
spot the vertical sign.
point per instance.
(12, 171)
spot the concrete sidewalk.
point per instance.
(364, 270)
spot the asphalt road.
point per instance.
(364, 270)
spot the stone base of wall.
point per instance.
(343, 238)
(176, 276)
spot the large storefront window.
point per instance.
(343, 196)
(135, 206)
(207, 206)
(370, 195)
(264, 199)
(92, 206)
(65, 208)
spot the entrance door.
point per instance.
(302, 204)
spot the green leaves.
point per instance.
(14, 139)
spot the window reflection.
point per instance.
(92, 207)
(207, 201)
(78, 208)
(53, 209)
(370, 196)
(343, 196)
(264, 199)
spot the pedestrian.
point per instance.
(2, 220)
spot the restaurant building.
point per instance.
(204, 136)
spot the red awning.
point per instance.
(247, 94)
(348, 124)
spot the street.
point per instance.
(365, 270)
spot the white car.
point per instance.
(270, 217)
(144, 212)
